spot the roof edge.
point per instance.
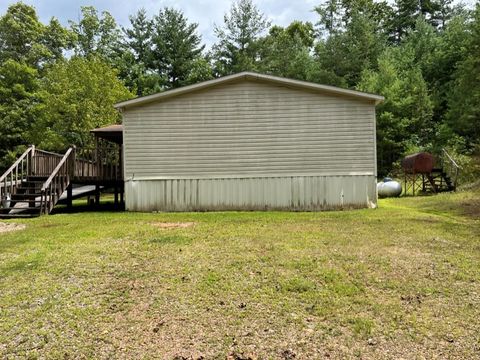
(251, 76)
(108, 128)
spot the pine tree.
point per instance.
(464, 100)
(176, 46)
(139, 36)
(404, 118)
(134, 63)
(237, 48)
(347, 53)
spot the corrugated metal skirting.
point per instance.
(257, 193)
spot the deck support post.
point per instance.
(97, 194)
(69, 196)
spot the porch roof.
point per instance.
(112, 133)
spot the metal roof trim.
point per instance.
(255, 77)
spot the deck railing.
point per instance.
(44, 162)
(100, 163)
(18, 172)
(450, 167)
(57, 182)
(99, 166)
(96, 165)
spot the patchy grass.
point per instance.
(401, 281)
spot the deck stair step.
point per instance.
(21, 196)
(19, 215)
(32, 184)
(24, 201)
(16, 211)
(37, 177)
(438, 181)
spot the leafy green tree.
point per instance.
(20, 35)
(407, 12)
(57, 39)
(176, 47)
(451, 49)
(96, 35)
(200, 70)
(463, 115)
(20, 107)
(444, 12)
(423, 41)
(137, 76)
(303, 31)
(237, 46)
(404, 118)
(27, 47)
(286, 51)
(25, 39)
(78, 96)
(336, 15)
(347, 53)
(331, 14)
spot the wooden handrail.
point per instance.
(49, 153)
(57, 182)
(16, 163)
(13, 177)
(450, 158)
(453, 169)
(57, 169)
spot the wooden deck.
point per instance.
(88, 166)
(39, 179)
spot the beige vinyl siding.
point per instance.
(249, 129)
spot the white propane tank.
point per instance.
(389, 188)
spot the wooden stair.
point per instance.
(439, 181)
(428, 178)
(25, 202)
(444, 177)
(32, 186)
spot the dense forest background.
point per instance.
(57, 82)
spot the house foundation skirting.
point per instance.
(297, 193)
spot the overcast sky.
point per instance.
(204, 12)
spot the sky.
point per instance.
(204, 12)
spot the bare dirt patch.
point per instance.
(173, 225)
(7, 227)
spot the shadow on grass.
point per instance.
(29, 264)
(83, 207)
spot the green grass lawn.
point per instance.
(400, 281)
